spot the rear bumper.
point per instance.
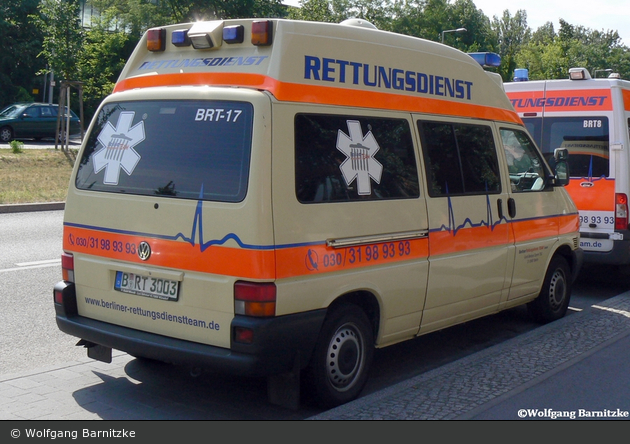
(279, 344)
(619, 255)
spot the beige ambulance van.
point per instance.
(277, 198)
(590, 117)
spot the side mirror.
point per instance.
(560, 154)
(560, 166)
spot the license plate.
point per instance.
(148, 286)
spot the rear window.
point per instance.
(178, 149)
(586, 138)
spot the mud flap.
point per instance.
(96, 351)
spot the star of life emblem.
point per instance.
(117, 151)
(360, 163)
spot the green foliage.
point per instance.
(21, 42)
(17, 147)
(59, 23)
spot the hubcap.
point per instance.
(345, 357)
(557, 290)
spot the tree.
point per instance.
(21, 42)
(59, 22)
(101, 61)
(548, 55)
(511, 33)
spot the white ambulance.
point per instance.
(277, 198)
(590, 117)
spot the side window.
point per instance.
(349, 158)
(527, 169)
(46, 111)
(460, 158)
(32, 111)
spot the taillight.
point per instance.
(156, 39)
(621, 211)
(255, 299)
(67, 267)
(262, 32)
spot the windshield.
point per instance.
(12, 110)
(178, 149)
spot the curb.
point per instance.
(21, 208)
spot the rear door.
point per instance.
(166, 214)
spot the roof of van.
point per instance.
(337, 64)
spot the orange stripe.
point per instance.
(568, 224)
(246, 263)
(315, 259)
(466, 239)
(526, 230)
(599, 195)
(293, 92)
(626, 99)
(301, 260)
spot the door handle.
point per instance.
(500, 208)
(512, 207)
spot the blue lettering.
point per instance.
(328, 70)
(311, 66)
(397, 79)
(410, 81)
(366, 76)
(383, 77)
(342, 70)
(345, 71)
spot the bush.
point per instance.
(17, 146)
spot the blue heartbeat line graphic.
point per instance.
(196, 233)
(452, 228)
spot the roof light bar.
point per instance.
(262, 32)
(486, 58)
(233, 34)
(206, 35)
(180, 38)
(579, 74)
(156, 39)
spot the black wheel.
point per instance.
(342, 357)
(553, 300)
(6, 134)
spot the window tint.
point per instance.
(459, 158)
(345, 158)
(179, 149)
(527, 168)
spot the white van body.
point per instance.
(591, 118)
(277, 198)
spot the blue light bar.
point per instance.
(521, 75)
(180, 38)
(233, 34)
(486, 58)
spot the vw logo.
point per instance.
(144, 250)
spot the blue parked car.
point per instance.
(33, 121)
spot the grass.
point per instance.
(35, 175)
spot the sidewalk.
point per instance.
(576, 366)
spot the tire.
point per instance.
(339, 367)
(553, 301)
(6, 134)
